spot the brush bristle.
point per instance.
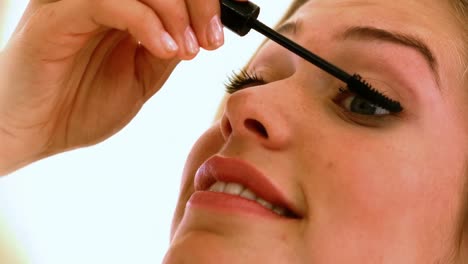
(360, 87)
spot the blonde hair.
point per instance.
(461, 13)
(461, 8)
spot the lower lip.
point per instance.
(228, 204)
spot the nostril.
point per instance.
(256, 127)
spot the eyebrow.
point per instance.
(288, 28)
(372, 33)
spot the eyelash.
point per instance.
(244, 79)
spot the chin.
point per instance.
(200, 248)
(227, 240)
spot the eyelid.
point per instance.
(371, 121)
(368, 121)
(345, 95)
(384, 87)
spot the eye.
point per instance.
(358, 105)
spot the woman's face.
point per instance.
(361, 188)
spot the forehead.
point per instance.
(432, 21)
(432, 14)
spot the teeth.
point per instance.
(238, 189)
(248, 194)
(234, 188)
(264, 203)
(218, 187)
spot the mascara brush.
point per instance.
(241, 17)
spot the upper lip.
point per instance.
(235, 170)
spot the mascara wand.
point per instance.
(241, 17)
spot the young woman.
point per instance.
(297, 169)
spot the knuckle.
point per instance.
(174, 15)
(141, 22)
(179, 18)
(146, 16)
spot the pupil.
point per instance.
(362, 106)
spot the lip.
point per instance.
(235, 170)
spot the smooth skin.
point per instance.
(386, 189)
(77, 71)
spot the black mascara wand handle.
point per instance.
(241, 17)
(238, 16)
(300, 51)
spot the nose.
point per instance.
(255, 116)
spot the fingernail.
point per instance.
(215, 32)
(191, 43)
(168, 42)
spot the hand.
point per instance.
(77, 71)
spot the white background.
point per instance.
(113, 203)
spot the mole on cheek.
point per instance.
(331, 165)
(283, 237)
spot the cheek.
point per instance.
(364, 183)
(206, 146)
(378, 182)
(381, 175)
(376, 192)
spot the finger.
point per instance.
(205, 19)
(175, 18)
(69, 24)
(206, 22)
(139, 20)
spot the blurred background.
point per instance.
(113, 202)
